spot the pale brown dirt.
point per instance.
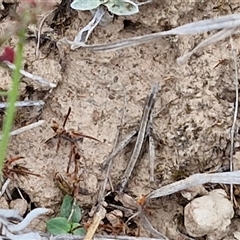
(193, 130)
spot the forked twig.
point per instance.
(229, 22)
(71, 136)
(140, 138)
(121, 145)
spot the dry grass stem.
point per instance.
(4, 186)
(100, 214)
(110, 158)
(194, 180)
(233, 129)
(32, 76)
(40, 29)
(140, 138)
(147, 225)
(121, 145)
(26, 128)
(152, 154)
(207, 42)
(229, 24)
(24, 104)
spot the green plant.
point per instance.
(68, 220)
(12, 96)
(118, 7)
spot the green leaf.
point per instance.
(75, 226)
(58, 225)
(79, 231)
(122, 7)
(86, 4)
(77, 214)
(66, 207)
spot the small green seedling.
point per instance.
(68, 220)
(117, 7)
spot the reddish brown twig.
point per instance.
(9, 169)
(72, 136)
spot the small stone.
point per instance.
(192, 192)
(3, 203)
(209, 215)
(19, 204)
(114, 217)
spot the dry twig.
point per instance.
(120, 146)
(25, 128)
(100, 214)
(194, 180)
(233, 129)
(32, 76)
(72, 136)
(140, 138)
(151, 147)
(229, 24)
(23, 104)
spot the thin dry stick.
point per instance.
(39, 31)
(107, 177)
(109, 160)
(100, 214)
(6, 190)
(147, 225)
(194, 180)
(31, 76)
(142, 3)
(140, 138)
(121, 145)
(229, 24)
(234, 119)
(25, 128)
(20, 193)
(152, 154)
(24, 104)
(207, 42)
(4, 187)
